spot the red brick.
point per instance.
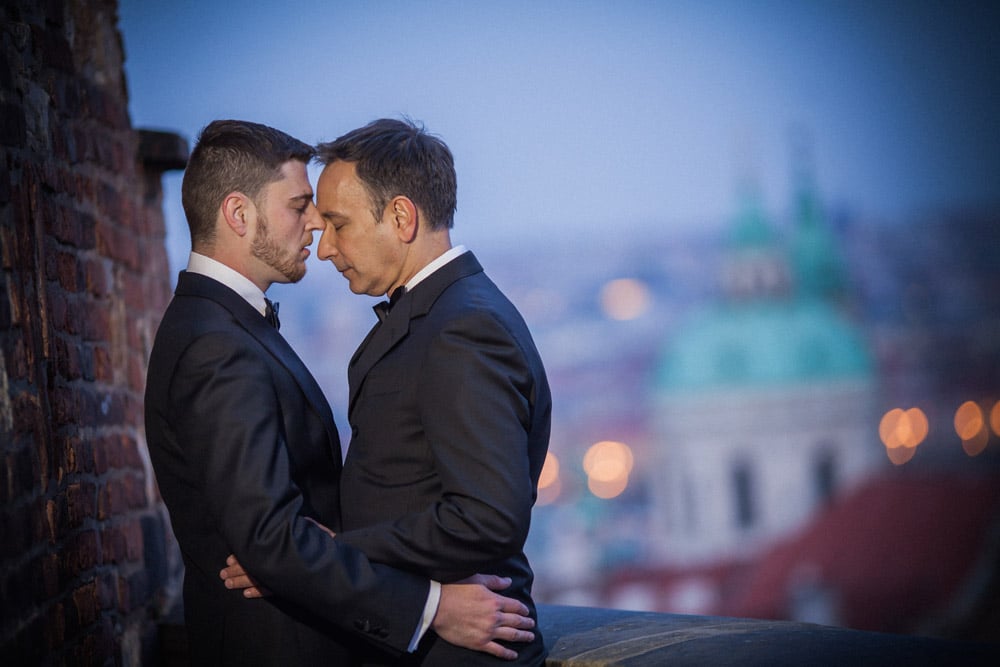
(58, 309)
(132, 590)
(27, 413)
(17, 362)
(67, 358)
(50, 575)
(134, 293)
(80, 212)
(85, 604)
(86, 352)
(55, 517)
(103, 367)
(136, 372)
(97, 276)
(129, 452)
(113, 546)
(82, 452)
(135, 491)
(81, 503)
(120, 494)
(97, 325)
(55, 626)
(68, 268)
(65, 406)
(80, 554)
(101, 462)
(111, 500)
(107, 591)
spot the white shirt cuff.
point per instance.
(430, 610)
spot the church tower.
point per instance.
(764, 398)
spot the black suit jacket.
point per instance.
(450, 412)
(244, 446)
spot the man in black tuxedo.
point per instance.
(245, 449)
(449, 403)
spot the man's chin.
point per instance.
(291, 276)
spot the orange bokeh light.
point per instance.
(969, 421)
(900, 455)
(903, 428)
(625, 299)
(550, 471)
(607, 489)
(550, 493)
(975, 445)
(995, 418)
(608, 461)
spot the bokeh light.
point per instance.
(608, 464)
(901, 431)
(550, 471)
(970, 425)
(969, 421)
(608, 460)
(549, 482)
(976, 444)
(995, 418)
(607, 490)
(625, 298)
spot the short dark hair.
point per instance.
(233, 156)
(399, 157)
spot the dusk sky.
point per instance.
(601, 118)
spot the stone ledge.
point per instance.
(590, 637)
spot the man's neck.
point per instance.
(434, 265)
(228, 276)
(237, 261)
(420, 254)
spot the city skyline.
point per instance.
(602, 119)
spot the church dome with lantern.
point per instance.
(778, 324)
(763, 397)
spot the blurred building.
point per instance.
(799, 421)
(763, 402)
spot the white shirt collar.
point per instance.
(440, 261)
(229, 277)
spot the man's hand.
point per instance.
(472, 616)
(235, 576)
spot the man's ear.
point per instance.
(235, 209)
(405, 217)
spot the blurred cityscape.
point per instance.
(791, 414)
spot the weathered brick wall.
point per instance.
(87, 563)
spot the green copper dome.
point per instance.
(777, 324)
(763, 344)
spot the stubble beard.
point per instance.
(267, 251)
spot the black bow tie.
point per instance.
(271, 313)
(382, 308)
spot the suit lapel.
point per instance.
(192, 284)
(414, 304)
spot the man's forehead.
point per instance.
(294, 183)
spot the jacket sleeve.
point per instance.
(228, 416)
(475, 400)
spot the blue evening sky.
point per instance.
(602, 117)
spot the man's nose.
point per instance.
(326, 248)
(314, 222)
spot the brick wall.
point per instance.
(87, 563)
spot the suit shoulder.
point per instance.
(197, 324)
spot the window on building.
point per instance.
(743, 494)
(825, 475)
